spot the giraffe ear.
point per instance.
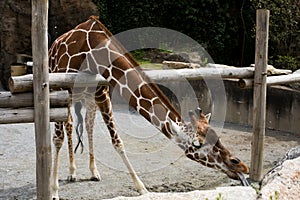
(175, 129)
(208, 116)
(211, 136)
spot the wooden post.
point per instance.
(41, 97)
(259, 95)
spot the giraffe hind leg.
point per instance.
(104, 104)
(69, 128)
(89, 122)
(58, 139)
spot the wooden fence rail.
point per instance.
(26, 115)
(21, 100)
(67, 80)
(245, 75)
(271, 80)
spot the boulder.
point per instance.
(283, 181)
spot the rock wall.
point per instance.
(15, 26)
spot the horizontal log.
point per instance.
(68, 80)
(245, 83)
(19, 84)
(284, 79)
(25, 115)
(21, 100)
(271, 80)
(200, 73)
(180, 65)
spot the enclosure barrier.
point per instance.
(244, 75)
(18, 108)
(259, 94)
(66, 80)
(271, 80)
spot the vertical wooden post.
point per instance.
(41, 97)
(259, 95)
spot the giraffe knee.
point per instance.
(118, 145)
(57, 142)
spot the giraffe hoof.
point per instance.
(143, 191)
(71, 178)
(95, 178)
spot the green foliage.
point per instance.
(139, 55)
(256, 188)
(284, 36)
(285, 62)
(276, 196)
(220, 197)
(226, 29)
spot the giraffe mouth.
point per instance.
(243, 179)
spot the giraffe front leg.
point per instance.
(89, 122)
(69, 129)
(119, 147)
(104, 104)
(58, 139)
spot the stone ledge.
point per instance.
(230, 193)
(283, 182)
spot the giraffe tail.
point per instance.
(79, 125)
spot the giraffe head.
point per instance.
(201, 144)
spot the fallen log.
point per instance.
(26, 115)
(179, 65)
(21, 100)
(69, 80)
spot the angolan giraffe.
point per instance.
(91, 48)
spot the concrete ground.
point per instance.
(161, 165)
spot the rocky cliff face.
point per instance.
(15, 26)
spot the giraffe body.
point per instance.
(91, 48)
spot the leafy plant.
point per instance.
(276, 196)
(226, 29)
(286, 62)
(220, 197)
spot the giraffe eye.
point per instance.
(235, 161)
(197, 144)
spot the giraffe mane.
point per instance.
(130, 58)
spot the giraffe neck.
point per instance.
(145, 97)
(135, 87)
(124, 74)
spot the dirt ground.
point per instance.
(160, 164)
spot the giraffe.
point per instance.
(91, 48)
